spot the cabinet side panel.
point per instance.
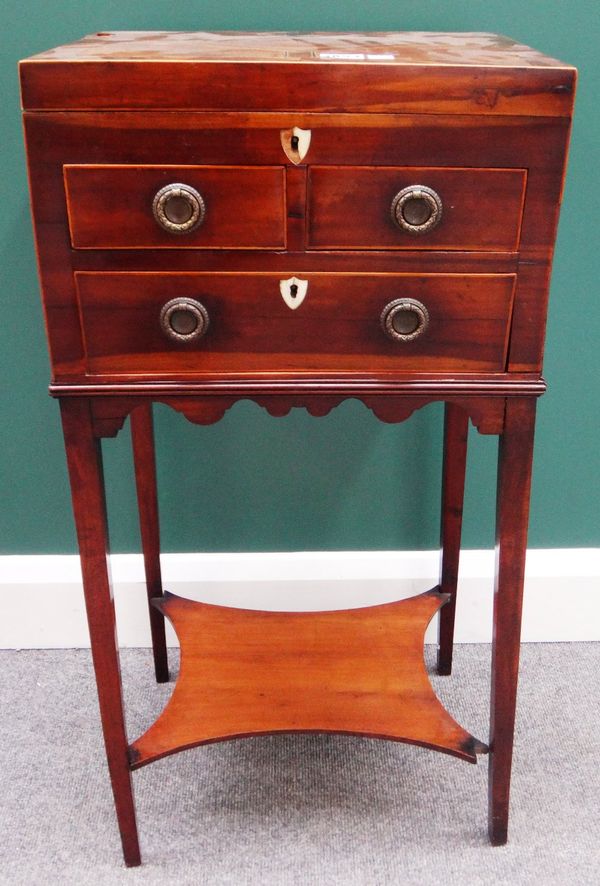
(53, 249)
(547, 160)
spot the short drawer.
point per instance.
(151, 324)
(137, 207)
(386, 207)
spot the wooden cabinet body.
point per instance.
(297, 219)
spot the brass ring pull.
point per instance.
(184, 319)
(417, 209)
(404, 319)
(178, 208)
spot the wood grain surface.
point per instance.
(444, 143)
(483, 121)
(407, 47)
(110, 207)
(357, 671)
(349, 208)
(84, 460)
(337, 326)
(404, 71)
(515, 455)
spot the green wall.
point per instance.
(346, 481)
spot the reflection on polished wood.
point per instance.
(473, 73)
(296, 147)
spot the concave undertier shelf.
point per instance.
(355, 671)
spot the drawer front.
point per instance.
(385, 207)
(134, 207)
(330, 322)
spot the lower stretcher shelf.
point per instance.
(357, 671)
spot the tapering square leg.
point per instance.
(456, 428)
(142, 438)
(84, 461)
(512, 514)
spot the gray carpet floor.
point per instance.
(300, 809)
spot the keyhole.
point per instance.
(294, 290)
(294, 142)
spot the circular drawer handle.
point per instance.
(184, 319)
(417, 209)
(178, 208)
(404, 319)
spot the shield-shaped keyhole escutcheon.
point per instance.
(293, 291)
(295, 142)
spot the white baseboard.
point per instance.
(42, 603)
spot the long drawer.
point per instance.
(181, 323)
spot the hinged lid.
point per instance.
(416, 72)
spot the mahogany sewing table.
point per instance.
(298, 219)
